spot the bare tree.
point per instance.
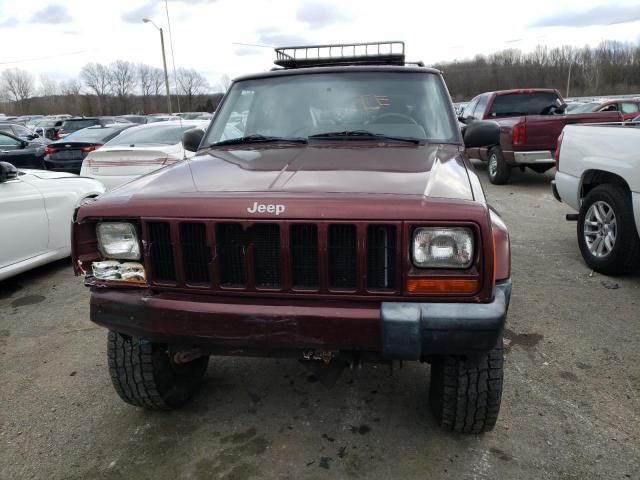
(97, 79)
(224, 83)
(18, 84)
(190, 83)
(122, 76)
(48, 86)
(145, 79)
(157, 80)
(70, 87)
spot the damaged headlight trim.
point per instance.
(118, 240)
(443, 247)
(114, 270)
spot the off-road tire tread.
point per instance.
(626, 257)
(135, 375)
(465, 395)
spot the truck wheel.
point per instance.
(465, 394)
(144, 375)
(498, 169)
(607, 234)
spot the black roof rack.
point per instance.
(375, 53)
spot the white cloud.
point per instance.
(52, 14)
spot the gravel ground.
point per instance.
(571, 406)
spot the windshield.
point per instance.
(585, 108)
(394, 104)
(524, 104)
(156, 135)
(91, 134)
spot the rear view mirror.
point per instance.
(191, 139)
(7, 172)
(482, 133)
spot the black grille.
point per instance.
(304, 256)
(196, 254)
(230, 252)
(253, 255)
(342, 256)
(265, 239)
(161, 252)
(381, 256)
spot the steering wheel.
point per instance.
(399, 116)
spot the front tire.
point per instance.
(144, 375)
(465, 394)
(498, 169)
(606, 231)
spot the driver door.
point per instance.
(23, 221)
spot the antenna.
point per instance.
(173, 58)
(175, 76)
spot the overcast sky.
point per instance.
(56, 38)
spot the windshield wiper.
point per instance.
(363, 134)
(259, 138)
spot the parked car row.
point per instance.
(39, 203)
(629, 108)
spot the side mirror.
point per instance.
(191, 139)
(7, 172)
(482, 133)
(24, 144)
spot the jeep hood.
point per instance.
(398, 169)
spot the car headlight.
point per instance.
(436, 247)
(118, 240)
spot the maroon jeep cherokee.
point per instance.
(330, 214)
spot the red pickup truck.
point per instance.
(530, 122)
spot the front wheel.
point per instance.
(607, 234)
(465, 394)
(498, 169)
(144, 375)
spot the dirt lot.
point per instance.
(571, 407)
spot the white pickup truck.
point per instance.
(598, 174)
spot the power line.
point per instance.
(36, 59)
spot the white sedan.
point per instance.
(36, 209)
(138, 151)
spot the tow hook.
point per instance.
(572, 217)
(325, 355)
(187, 356)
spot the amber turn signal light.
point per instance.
(441, 285)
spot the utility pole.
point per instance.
(164, 63)
(569, 78)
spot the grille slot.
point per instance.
(381, 256)
(304, 256)
(231, 246)
(161, 252)
(196, 254)
(342, 246)
(265, 239)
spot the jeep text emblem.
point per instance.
(262, 208)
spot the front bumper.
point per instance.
(411, 331)
(397, 330)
